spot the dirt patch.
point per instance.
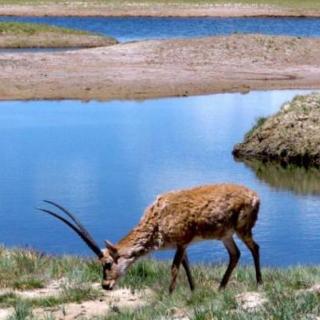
(250, 301)
(86, 8)
(315, 289)
(159, 68)
(290, 136)
(114, 301)
(109, 301)
(5, 313)
(54, 288)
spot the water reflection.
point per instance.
(289, 177)
(107, 161)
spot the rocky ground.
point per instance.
(160, 68)
(290, 136)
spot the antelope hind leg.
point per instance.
(234, 255)
(185, 263)
(254, 249)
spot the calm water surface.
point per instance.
(107, 162)
(128, 29)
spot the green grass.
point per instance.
(259, 122)
(19, 28)
(283, 288)
(34, 35)
(284, 3)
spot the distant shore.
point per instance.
(163, 68)
(154, 9)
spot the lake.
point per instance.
(106, 161)
(138, 28)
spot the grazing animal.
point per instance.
(175, 220)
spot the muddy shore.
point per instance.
(159, 68)
(156, 10)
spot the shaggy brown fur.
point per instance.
(178, 218)
(175, 220)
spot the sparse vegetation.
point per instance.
(32, 35)
(259, 122)
(286, 292)
(29, 29)
(291, 136)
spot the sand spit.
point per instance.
(159, 68)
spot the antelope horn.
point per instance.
(79, 229)
(74, 219)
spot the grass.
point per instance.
(34, 35)
(307, 4)
(259, 122)
(28, 29)
(285, 289)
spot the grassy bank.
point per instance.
(29, 35)
(286, 293)
(291, 136)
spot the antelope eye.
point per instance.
(108, 265)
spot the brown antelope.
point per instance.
(175, 220)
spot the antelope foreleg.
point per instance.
(185, 263)
(234, 255)
(178, 258)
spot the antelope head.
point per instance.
(113, 263)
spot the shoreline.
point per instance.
(156, 10)
(163, 68)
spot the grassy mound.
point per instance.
(291, 136)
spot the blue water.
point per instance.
(137, 28)
(106, 161)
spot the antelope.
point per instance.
(175, 220)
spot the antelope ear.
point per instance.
(112, 250)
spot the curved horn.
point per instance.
(74, 219)
(82, 232)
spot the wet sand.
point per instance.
(160, 68)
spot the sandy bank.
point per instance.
(155, 10)
(163, 68)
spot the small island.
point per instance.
(30, 35)
(291, 136)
